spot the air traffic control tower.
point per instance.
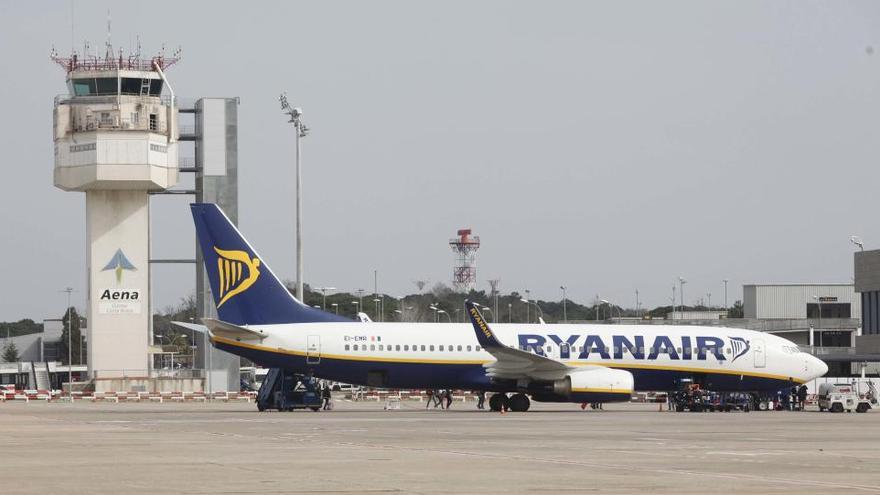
(116, 140)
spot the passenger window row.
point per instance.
(461, 348)
(415, 348)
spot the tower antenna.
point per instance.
(108, 45)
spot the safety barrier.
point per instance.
(116, 397)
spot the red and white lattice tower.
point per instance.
(464, 272)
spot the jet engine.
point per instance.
(598, 379)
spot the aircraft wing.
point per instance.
(510, 362)
(223, 329)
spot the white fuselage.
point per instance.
(648, 351)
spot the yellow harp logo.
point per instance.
(236, 272)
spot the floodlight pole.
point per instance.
(300, 131)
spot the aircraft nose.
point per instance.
(816, 367)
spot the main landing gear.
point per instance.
(515, 403)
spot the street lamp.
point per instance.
(612, 308)
(725, 293)
(357, 307)
(443, 311)
(638, 305)
(509, 312)
(681, 282)
(69, 291)
(434, 309)
(564, 309)
(376, 300)
(324, 293)
(526, 300)
(301, 131)
(541, 316)
(487, 308)
(335, 307)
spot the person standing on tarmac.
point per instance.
(481, 400)
(802, 397)
(430, 397)
(448, 398)
(326, 395)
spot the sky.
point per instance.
(605, 146)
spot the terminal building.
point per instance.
(820, 315)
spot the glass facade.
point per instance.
(829, 310)
(871, 313)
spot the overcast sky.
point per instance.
(607, 146)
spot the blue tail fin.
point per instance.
(245, 289)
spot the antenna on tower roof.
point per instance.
(107, 45)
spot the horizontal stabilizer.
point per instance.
(195, 327)
(230, 331)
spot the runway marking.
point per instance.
(749, 454)
(625, 467)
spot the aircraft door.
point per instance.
(313, 350)
(760, 355)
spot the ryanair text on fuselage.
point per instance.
(583, 346)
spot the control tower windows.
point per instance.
(103, 86)
(84, 87)
(131, 86)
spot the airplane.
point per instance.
(259, 319)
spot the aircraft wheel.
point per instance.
(862, 408)
(497, 401)
(520, 403)
(837, 407)
(763, 406)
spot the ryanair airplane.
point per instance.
(259, 319)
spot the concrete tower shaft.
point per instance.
(116, 140)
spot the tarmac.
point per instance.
(361, 448)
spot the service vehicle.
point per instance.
(839, 397)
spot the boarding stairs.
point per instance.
(39, 376)
(270, 385)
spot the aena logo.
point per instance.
(236, 272)
(119, 263)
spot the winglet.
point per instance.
(485, 336)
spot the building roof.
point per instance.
(801, 284)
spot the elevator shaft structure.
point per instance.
(464, 271)
(116, 140)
